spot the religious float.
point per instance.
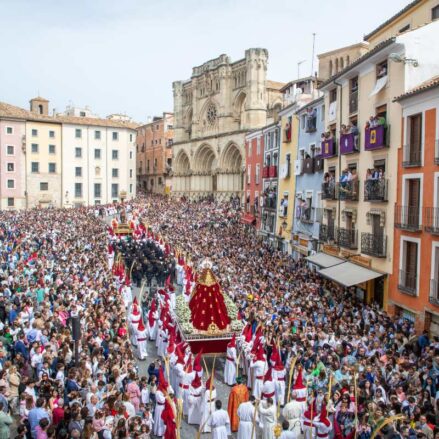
(208, 320)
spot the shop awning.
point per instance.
(349, 274)
(324, 260)
(247, 219)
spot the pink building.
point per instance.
(12, 164)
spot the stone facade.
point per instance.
(213, 111)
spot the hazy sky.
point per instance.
(122, 55)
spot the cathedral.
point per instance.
(213, 111)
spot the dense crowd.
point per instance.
(359, 363)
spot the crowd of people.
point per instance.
(355, 368)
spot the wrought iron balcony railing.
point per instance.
(326, 232)
(347, 238)
(407, 282)
(407, 218)
(434, 292)
(375, 190)
(328, 191)
(412, 156)
(431, 220)
(347, 191)
(374, 244)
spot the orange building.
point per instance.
(154, 154)
(414, 284)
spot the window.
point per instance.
(114, 190)
(97, 154)
(52, 168)
(10, 150)
(131, 155)
(10, 167)
(78, 190)
(9, 130)
(258, 146)
(249, 148)
(115, 172)
(34, 133)
(131, 173)
(97, 190)
(131, 137)
(131, 186)
(11, 184)
(52, 134)
(404, 29)
(34, 147)
(97, 135)
(10, 202)
(435, 13)
(408, 274)
(78, 152)
(157, 127)
(82, 113)
(155, 163)
(78, 171)
(147, 165)
(35, 167)
(115, 135)
(115, 154)
(78, 133)
(44, 186)
(258, 173)
(333, 95)
(52, 149)
(249, 174)
(97, 171)
(381, 69)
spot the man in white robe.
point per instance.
(152, 321)
(134, 320)
(142, 340)
(195, 401)
(230, 366)
(258, 366)
(292, 412)
(286, 433)
(279, 376)
(268, 389)
(248, 417)
(219, 422)
(208, 406)
(267, 413)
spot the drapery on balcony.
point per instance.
(328, 191)
(411, 156)
(431, 220)
(265, 171)
(348, 143)
(407, 282)
(308, 166)
(407, 218)
(347, 191)
(347, 238)
(434, 292)
(329, 148)
(374, 244)
(376, 137)
(272, 171)
(326, 232)
(375, 190)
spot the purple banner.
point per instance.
(347, 144)
(375, 138)
(328, 148)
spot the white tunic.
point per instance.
(292, 412)
(246, 414)
(159, 426)
(279, 382)
(184, 386)
(230, 367)
(258, 370)
(142, 342)
(195, 401)
(268, 419)
(220, 424)
(153, 329)
(208, 408)
(288, 435)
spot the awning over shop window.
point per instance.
(247, 219)
(324, 260)
(349, 274)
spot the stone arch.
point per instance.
(232, 158)
(187, 120)
(204, 159)
(239, 108)
(202, 118)
(182, 162)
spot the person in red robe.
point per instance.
(208, 309)
(238, 395)
(169, 418)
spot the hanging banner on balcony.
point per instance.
(328, 148)
(347, 144)
(375, 137)
(318, 164)
(308, 166)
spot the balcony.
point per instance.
(412, 156)
(347, 191)
(270, 202)
(310, 124)
(328, 191)
(329, 148)
(265, 171)
(272, 171)
(353, 102)
(407, 282)
(373, 245)
(434, 292)
(326, 233)
(376, 137)
(375, 190)
(349, 143)
(431, 220)
(306, 216)
(347, 238)
(407, 218)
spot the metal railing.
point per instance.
(306, 216)
(407, 218)
(373, 244)
(375, 190)
(347, 238)
(353, 102)
(347, 191)
(431, 220)
(326, 232)
(407, 282)
(328, 191)
(434, 292)
(411, 156)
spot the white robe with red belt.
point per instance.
(142, 342)
(195, 405)
(279, 377)
(230, 367)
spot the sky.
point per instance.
(121, 56)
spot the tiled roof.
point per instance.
(39, 98)
(358, 61)
(11, 111)
(275, 84)
(394, 17)
(425, 86)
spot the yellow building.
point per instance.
(43, 158)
